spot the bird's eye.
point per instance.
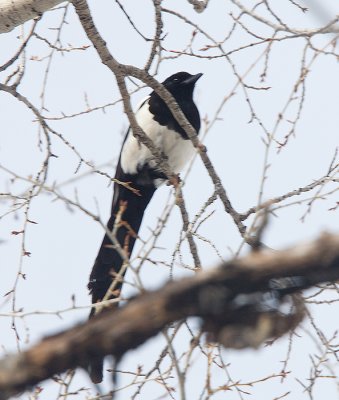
(176, 80)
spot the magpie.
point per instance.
(137, 167)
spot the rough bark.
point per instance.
(15, 12)
(229, 299)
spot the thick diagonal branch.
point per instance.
(212, 295)
(15, 12)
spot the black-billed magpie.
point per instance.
(137, 167)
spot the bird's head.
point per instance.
(181, 84)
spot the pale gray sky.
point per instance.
(63, 244)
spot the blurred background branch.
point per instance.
(239, 303)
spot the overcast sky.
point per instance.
(64, 242)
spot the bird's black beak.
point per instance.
(192, 79)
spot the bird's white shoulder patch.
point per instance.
(135, 155)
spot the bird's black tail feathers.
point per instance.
(130, 208)
(137, 166)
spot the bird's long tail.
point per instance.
(126, 216)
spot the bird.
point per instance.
(137, 167)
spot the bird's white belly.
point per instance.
(134, 155)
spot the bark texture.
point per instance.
(15, 12)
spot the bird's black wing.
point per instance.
(137, 167)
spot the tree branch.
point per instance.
(231, 300)
(16, 12)
(121, 71)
